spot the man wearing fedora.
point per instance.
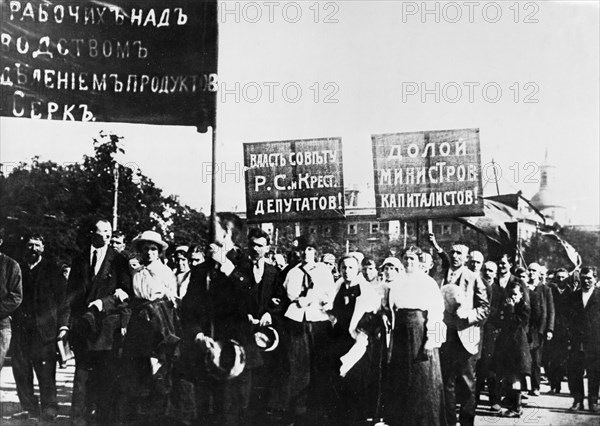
(216, 312)
(99, 281)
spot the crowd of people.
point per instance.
(237, 336)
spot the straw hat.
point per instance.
(149, 236)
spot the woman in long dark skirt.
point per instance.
(414, 393)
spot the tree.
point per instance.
(61, 201)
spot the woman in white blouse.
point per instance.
(415, 391)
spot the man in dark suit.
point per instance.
(217, 308)
(466, 309)
(557, 349)
(264, 296)
(35, 325)
(98, 283)
(584, 336)
(541, 323)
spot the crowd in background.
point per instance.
(235, 335)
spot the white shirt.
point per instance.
(586, 296)
(100, 254)
(317, 301)
(154, 281)
(418, 290)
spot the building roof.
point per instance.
(546, 198)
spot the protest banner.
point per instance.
(151, 62)
(294, 180)
(427, 174)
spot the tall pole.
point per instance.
(495, 177)
(213, 186)
(115, 196)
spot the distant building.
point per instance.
(546, 200)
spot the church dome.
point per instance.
(546, 198)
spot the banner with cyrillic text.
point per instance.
(427, 174)
(133, 61)
(294, 180)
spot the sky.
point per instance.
(526, 74)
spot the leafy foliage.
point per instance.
(62, 201)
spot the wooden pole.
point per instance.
(116, 197)
(213, 186)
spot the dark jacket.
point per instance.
(218, 305)
(584, 328)
(11, 292)
(83, 289)
(43, 296)
(541, 319)
(512, 355)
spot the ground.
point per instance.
(544, 410)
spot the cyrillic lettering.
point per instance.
(44, 42)
(260, 209)
(83, 81)
(15, 6)
(142, 51)
(150, 18)
(64, 51)
(62, 80)
(119, 16)
(74, 12)
(409, 175)
(52, 108)
(107, 48)
(136, 16)
(22, 45)
(461, 148)
(5, 78)
(118, 84)
(413, 150)
(20, 94)
(28, 11)
(421, 175)
(181, 18)
(395, 153)
(123, 49)
(450, 171)
(429, 174)
(99, 84)
(164, 85)
(93, 46)
(42, 13)
(430, 146)
(164, 18)
(21, 76)
(461, 172)
(444, 149)
(144, 82)
(5, 41)
(59, 13)
(460, 197)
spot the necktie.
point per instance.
(94, 261)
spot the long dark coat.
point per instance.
(43, 296)
(512, 355)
